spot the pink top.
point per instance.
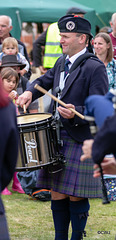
(114, 44)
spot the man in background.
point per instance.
(113, 33)
(5, 28)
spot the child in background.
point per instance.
(10, 81)
(8, 152)
(10, 47)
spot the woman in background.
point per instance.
(104, 51)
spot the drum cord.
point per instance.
(57, 117)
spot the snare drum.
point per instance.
(38, 145)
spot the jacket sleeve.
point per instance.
(98, 85)
(24, 52)
(11, 151)
(105, 140)
(37, 49)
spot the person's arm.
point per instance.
(23, 60)
(96, 85)
(31, 94)
(66, 112)
(37, 49)
(105, 140)
(25, 99)
(87, 149)
(33, 106)
(11, 150)
(23, 50)
(108, 166)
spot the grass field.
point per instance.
(32, 219)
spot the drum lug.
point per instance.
(58, 165)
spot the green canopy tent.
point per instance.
(104, 10)
(39, 11)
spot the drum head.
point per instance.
(32, 118)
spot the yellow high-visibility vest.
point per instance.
(52, 48)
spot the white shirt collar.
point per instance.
(74, 57)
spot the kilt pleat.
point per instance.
(76, 178)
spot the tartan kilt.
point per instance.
(76, 178)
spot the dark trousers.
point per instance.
(4, 234)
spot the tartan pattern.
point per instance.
(76, 179)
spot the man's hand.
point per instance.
(66, 112)
(22, 72)
(87, 149)
(42, 69)
(108, 166)
(25, 98)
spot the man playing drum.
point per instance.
(72, 186)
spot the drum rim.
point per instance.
(35, 122)
(39, 166)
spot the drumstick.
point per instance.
(24, 108)
(57, 100)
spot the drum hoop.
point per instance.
(31, 168)
(35, 123)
